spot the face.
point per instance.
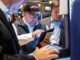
(55, 13)
(30, 19)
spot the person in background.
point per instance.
(28, 26)
(54, 22)
(14, 17)
(9, 42)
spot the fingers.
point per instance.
(54, 50)
(51, 51)
(45, 53)
(52, 56)
(37, 32)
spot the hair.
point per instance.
(53, 6)
(27, 8)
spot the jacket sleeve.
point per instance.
(18, 57)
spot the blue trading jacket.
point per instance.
(75, 31)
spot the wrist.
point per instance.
(33, 35)
(35, 57)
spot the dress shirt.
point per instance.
(55, 37)
(31, 27)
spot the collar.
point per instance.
(29, 24)
(3, 7)
(52, 20)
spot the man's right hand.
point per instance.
(45, 53)
(35, 33)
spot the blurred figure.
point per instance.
(54, 22)
(29, 26)
(9, 43)
(14, 18)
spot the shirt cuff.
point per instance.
(25, 36)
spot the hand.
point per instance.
(35, 33)
(45, 53)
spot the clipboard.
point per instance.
(44, 38)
